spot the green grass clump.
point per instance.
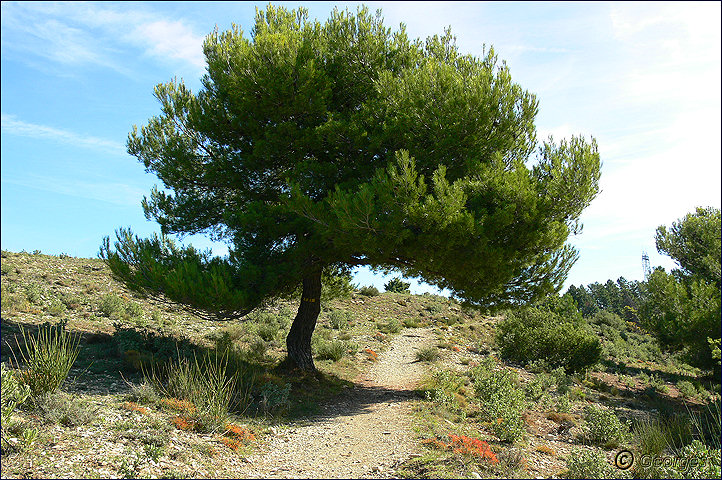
(48, 357)
(333, 350)
(64, 409)
(207, 384)
(427, 354)
(391, 325)
(12, 395)
(339, 319)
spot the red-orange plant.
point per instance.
(241, 433)
(183, 423)
(178, 405)
(465, 445)
(372, 355)
(134, 407)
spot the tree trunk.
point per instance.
(298, 341)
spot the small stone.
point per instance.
(377, 469)
(475, 475)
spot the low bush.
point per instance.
(501, 399)
(427, 354)
(333, 350)
(591, 464)
(602, 427)
(13, 394)
(64, 409)
(369, 291)
(530, 334)
(389, 326)
(340, 319)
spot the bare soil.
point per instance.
(364, 434)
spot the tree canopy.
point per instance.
(683, 307)
(314, 147)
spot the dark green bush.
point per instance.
(397, 285)
(369, 291)
(532, 334)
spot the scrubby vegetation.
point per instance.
(494, 404)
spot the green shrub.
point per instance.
(267, 331)
(56, 308)
(501, 399)
(13, 394)
(273, 397)
(389, 326)
(396, 285)
(602, 427)
(427, 354)
(334, 350)
(591, 464)
(411, 323)
(48, 357)
(339, 319)
(696, 460)
(111, 305)
(369, 291)
(530, 334)
(687, 389)
(64, 409)
(34, 293)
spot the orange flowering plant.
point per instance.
(466, 446)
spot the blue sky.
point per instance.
(642, 78)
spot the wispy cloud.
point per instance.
(12, 125)
(115, 193)
(171, 39)
(97, 34)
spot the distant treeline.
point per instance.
(621, 297)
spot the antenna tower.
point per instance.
(645, 265)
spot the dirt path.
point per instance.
(365, 434)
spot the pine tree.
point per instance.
(315, 148)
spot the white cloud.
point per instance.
(11, 125)
(171, 39)
(97, 34)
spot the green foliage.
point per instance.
(683, 308)
(396, 285)
(333, 350)
(591, 464)
(602, 427)
(273, 397)
(65, 409)
(532, 334)
(683, 313)
(403, 155)
(390, 325)
(47, 357)
(501, 400)
(694, 243)
(209, 384)
(340, 319)
(12, 395)
(427, 354)
(369, 291)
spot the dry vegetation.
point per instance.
(107, 422)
